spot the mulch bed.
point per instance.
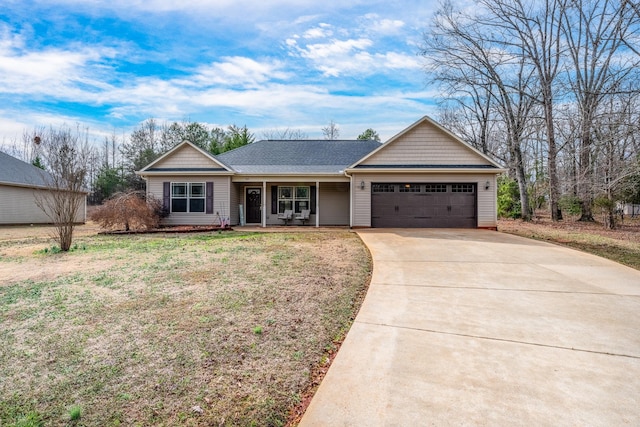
(176, 229)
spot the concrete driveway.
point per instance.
(474, 327)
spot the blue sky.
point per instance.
(110, 64)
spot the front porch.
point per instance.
(263, 203)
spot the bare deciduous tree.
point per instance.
(595, 32)
(553, 75)
(286, 134)
(66, 156)
(465, 61)
(533, 30)
(331, 131)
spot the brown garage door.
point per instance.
(423, 205)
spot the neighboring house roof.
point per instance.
(297, 157)
(16, 172)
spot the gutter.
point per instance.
(492, 171)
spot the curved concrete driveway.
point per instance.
(474, 327)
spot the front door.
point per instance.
(254, 202)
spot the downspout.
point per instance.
(350, 198)
(317, 204)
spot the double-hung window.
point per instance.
(296, 199)
(187, 196)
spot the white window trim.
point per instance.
(188, 197)
(293, 199)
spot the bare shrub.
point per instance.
(131, 210)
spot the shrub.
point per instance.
(508, 198)
(129, 211)
(570, 204)
(607, 208)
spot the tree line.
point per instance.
(108, 167)
(551, 88)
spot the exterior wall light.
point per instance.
(487, 185)
(362, 185)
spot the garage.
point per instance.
(424, 205)
(424, 177)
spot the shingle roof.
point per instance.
(300, 156)
(15, 171)
(426, 167)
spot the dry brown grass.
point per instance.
(621, 245)
(189, 329)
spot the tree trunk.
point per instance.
(554, 188)
(522, 184)
(584, 172)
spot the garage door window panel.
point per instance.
(410, 188)
(462, 188)
(435, 188)
(384, 188)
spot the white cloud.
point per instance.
(353, 56)
(51, 71)
(260, 82)
(369, 47)
(14, 123)
(334, 48)
(318, 33)
(238, 70)
(385, 27)
(397, 61)
(389, 25)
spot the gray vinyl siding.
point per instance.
(235, 196)
(334, 203)
(221, 199)
(425, 145)
(486, 201)
(186, 157)
(18, 206)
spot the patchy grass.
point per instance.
(189, 329)
(621, 245)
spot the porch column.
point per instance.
(264, 204)
(351, 195)
(317, 204)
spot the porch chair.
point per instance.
(286, 216)
(303, 215)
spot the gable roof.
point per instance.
(297, 156)
(487, 162)
(16, 172)
(216, 164)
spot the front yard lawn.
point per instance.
(188, 329)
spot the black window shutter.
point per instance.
(166, 196)
(313, 199)
(274, 199)
(209, 198)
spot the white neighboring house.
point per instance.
(630, 209)
(20, 182)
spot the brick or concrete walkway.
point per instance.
(482, 328)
